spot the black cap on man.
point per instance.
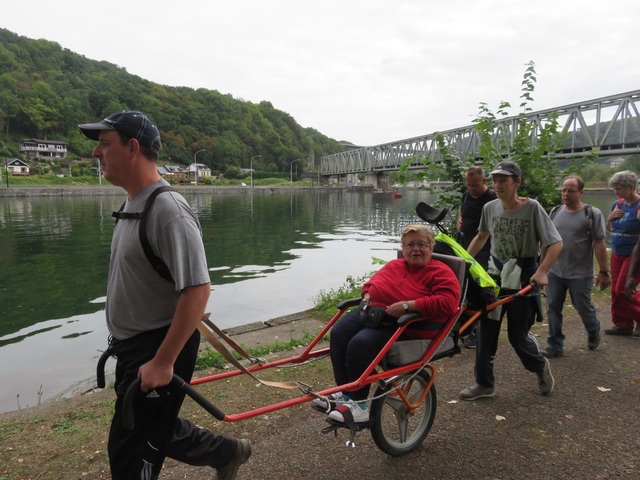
(129, 123)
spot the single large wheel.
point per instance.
(395, 430)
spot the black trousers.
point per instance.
(520, 314)
(352, 348)
(158, 432)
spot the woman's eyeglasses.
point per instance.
(420, 245)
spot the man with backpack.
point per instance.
(478, 194)
(582, 229)
(152, 312)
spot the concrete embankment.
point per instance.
(104, 190)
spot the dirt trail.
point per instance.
(587, 428)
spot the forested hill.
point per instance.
(47, 90)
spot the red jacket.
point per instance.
(434, 288)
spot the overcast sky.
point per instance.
(371, 71)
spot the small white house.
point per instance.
(200, 170)
(18, 168)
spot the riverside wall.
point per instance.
(105, 190)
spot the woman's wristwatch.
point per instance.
(405, 305)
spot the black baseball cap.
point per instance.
(507, 168)
(127, 122)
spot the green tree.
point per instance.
(596, 172)
(233, 173)
(534, 148)
(48, 90)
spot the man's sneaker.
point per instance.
(347, 412)
(328, 403)
(594, 341)
(230, 470)
(552, 352)
(477, 391)
(545, 379)
(627, 332)
(472, 340)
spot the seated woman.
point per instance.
(415, 283)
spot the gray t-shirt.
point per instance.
(517, 234)
(138, 299)
(576, 258)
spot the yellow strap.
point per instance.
(478, 273)
(218, 345)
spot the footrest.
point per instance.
(358, 426)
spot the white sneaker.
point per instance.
(358, 412)
(326, 406)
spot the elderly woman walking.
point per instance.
(624, 224)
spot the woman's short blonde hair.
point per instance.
(421, 230)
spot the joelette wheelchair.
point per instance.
(403, 406)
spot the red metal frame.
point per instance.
(368, 377)
(371, 375)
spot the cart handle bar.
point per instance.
(177, 383)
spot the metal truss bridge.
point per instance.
(608, 126)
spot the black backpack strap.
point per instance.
(120, 215)
(156, 262)
(588, 211)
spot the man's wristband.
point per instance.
(605, 272)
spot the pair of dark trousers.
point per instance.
(520, 314)
(352, 348)
(158, 432)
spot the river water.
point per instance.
(270, 253)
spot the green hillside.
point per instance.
(47, 90)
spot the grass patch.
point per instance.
(38, 180)
(62, 441)
(326, 300)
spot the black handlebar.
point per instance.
(128, 420)
(100, 379)
(134, 390)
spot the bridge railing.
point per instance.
(610, 126)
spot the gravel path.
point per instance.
(587, 428)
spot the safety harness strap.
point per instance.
(207, 329)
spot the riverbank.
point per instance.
(587, 427)
(107, 190)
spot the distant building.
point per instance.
(200, 170)
(36, 148)
(614, 162)
(172, 173)
(18, 168)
